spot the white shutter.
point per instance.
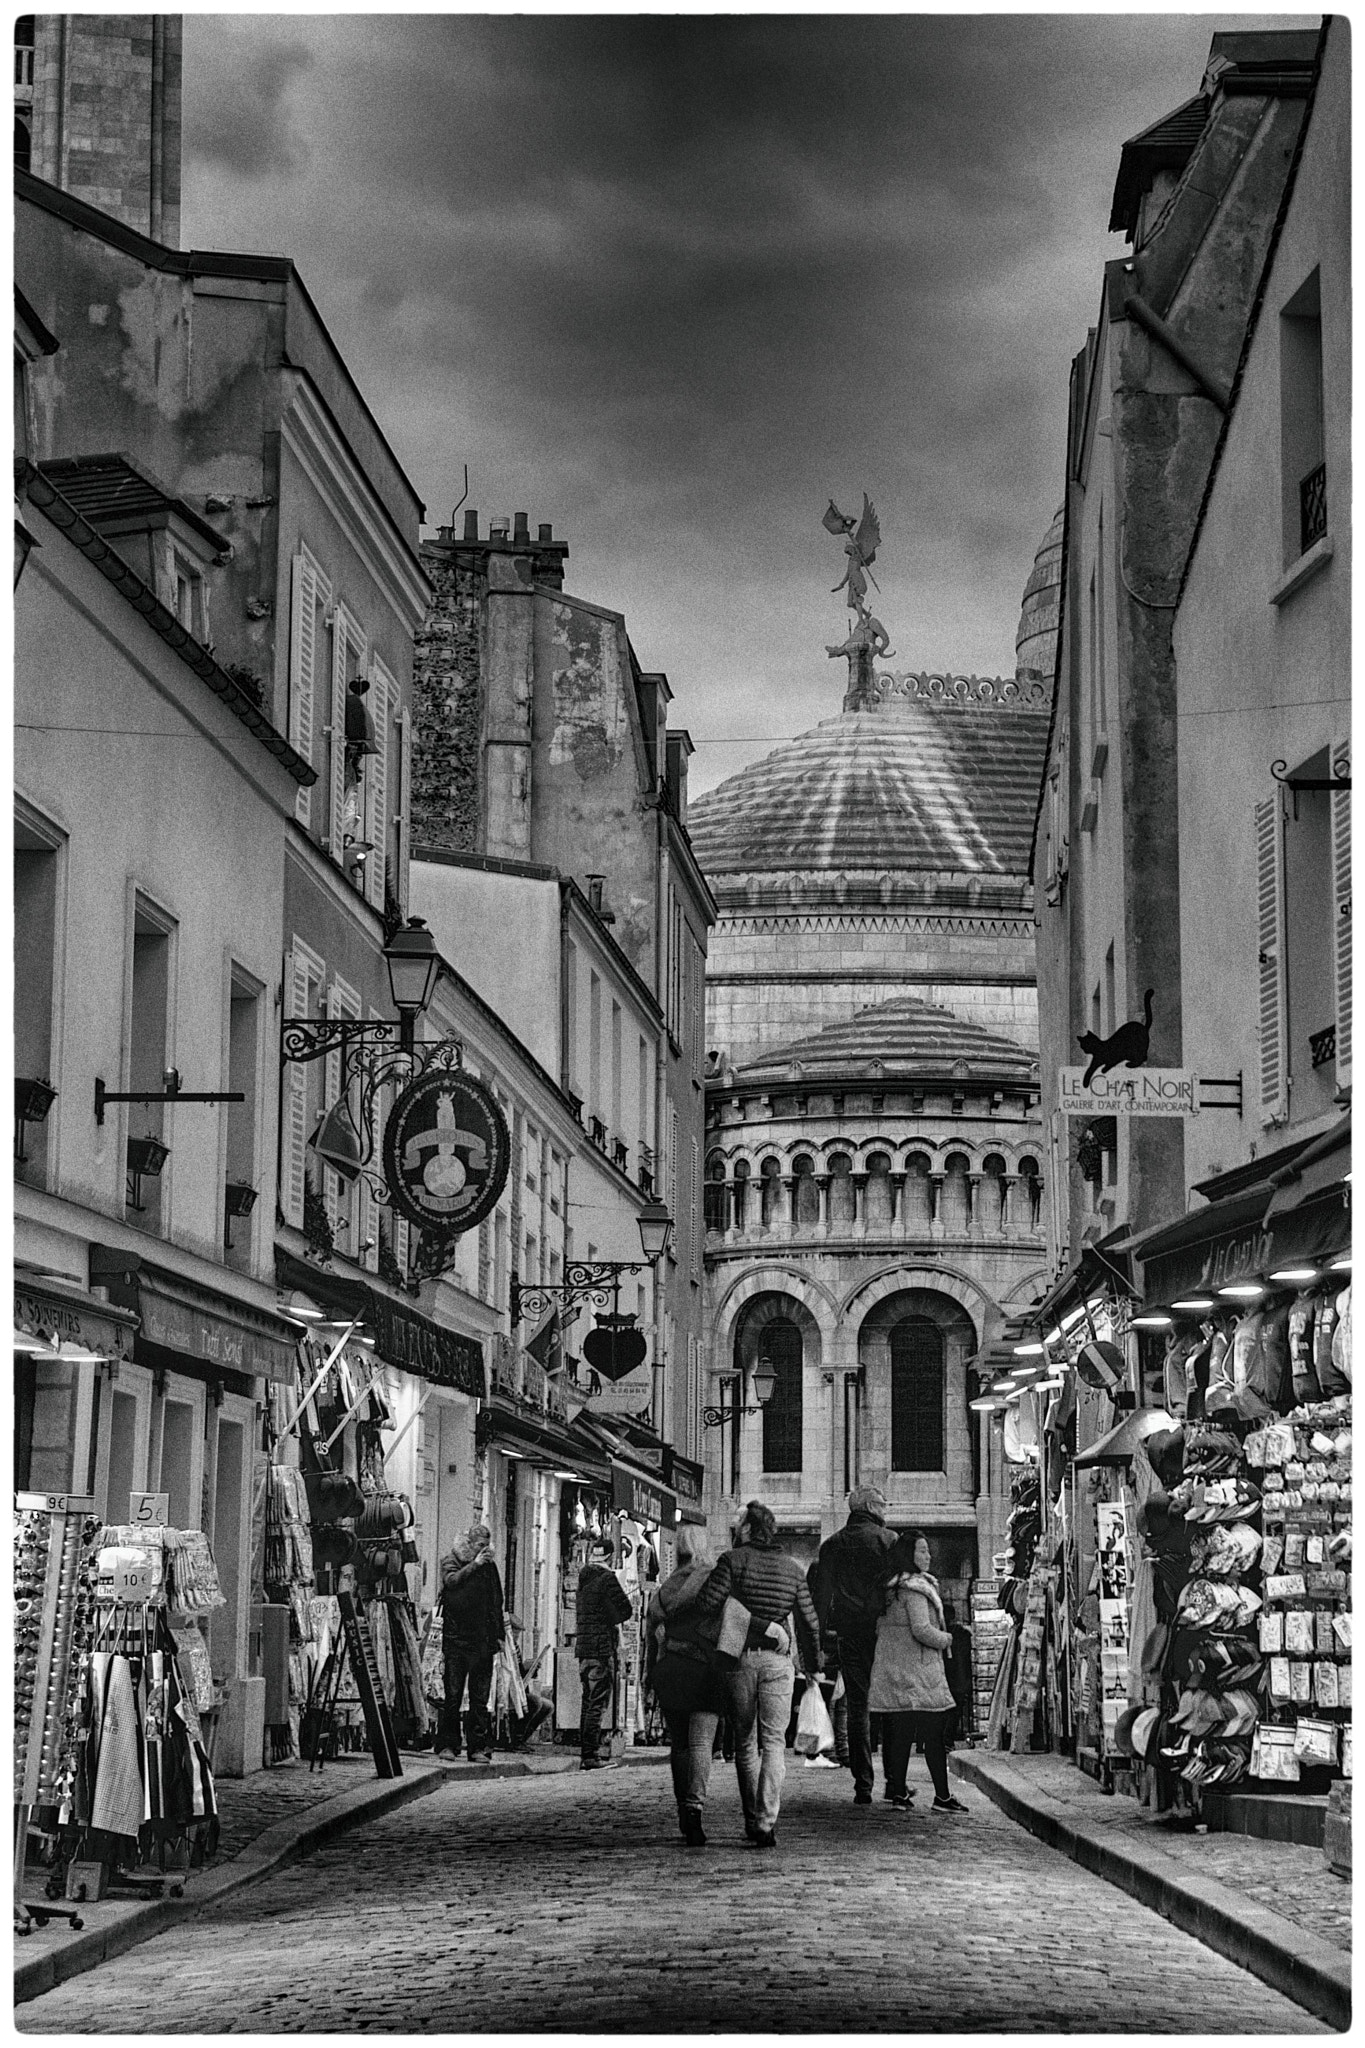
(303, 600)
(294, 1117)
(377, 779)
(694, 1211)
(340, 1196)
(331, 1067)
(1274, 1089)
(401, 1248)
(1341, 908)
(337, 800)
(403, 806)
(673, 1168)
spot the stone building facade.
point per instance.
(875, 1167)
(97, 111)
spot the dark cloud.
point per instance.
(672, 281)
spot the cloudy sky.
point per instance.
(672, 282)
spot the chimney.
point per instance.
(521, 531)
(471, 525)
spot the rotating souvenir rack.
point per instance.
(54, 1551)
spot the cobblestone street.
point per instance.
(568, 1903)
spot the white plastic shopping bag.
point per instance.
(814, 1728)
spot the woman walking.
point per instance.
(909, 1686)
(685, 1683)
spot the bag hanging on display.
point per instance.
(814, 1728)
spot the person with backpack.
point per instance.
(850, 1579)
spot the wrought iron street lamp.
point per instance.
(763, 1379)
(593, 1282)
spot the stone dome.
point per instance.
(905, 1037)
(941, 777)
(1035, 644)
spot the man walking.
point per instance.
(601, 1604)
(471, 1632)
(771, 1585)
(849, 1584)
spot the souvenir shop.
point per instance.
(638, 1515)
(1182, 1580)
(343, 1615)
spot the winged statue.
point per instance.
(862, 537)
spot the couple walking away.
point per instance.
(755, 1690)
(876, 1595)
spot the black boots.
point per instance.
(690, 1817)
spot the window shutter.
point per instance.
(303, 600)
(1341, 906)
(377, 778)
(331, 1180)
(294, 1120)
(368, 1228)
(401, 1248)
(694, 1211)
(673, 1168)
(1270, 943)
(344, 651)
(403, 806)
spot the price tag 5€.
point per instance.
(148, 1510)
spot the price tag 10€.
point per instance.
(134, 1583)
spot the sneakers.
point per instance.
(598, 1763)
(446, 1756)
(862, 1799)
(759, 1840)
(949, 1805)
(481, 1756)
(821, 1763)
(905, 1800)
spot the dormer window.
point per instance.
(160, 537)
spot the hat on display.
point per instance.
(1142, 1730)
(1165, 1451)
(1123, 1730)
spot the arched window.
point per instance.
(23, 145)
(771, 1174)
(741, 1188)
(918, 1205)
(807, 1195)
(956, 1198)
(841, 1191)
(916, 1396)
(713, 1194)
(992, 1191)
(878, 1196)
(780, 1344)
(1031, 1181)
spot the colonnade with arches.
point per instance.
(878, 1191)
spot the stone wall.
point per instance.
(447, 710)
(106, 115)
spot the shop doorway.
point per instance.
(178, 1441)
(123, 1458)
(227, 1545)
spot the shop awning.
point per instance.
(1119, 1445)
(403, 1336)
(64, 1315)
(542, 1438)
(688, 1481)
(1318, 1172)
(202, 1325)
(643, 1497)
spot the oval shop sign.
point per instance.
(446, 1151)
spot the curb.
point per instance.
(296, 1835)
(1302, 1966)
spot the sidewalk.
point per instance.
(265, 1820)
(1272, 1907)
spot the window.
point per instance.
(1303, 863)
(594, 1046)
(780, 1347)
(302, 1084)
(36, 852)
(572, 1075)
(377, 801)
(243, 1063)
(1031, 1192)
(341, 1196)
(616, 1089)
(346, 810)
(149, 1058)
(916, 1396)
(770, 1177)
(805, 1193)
(714, 1196)
(23, 140)
(1303, 474)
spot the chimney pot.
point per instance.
(471, 525)
(545, 532)
(521, 529)
(497, 528)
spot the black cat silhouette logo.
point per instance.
(1126, 1048)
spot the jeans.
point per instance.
(761, 1704)
(855, 1661)
(690, 1737)
(598, 1679)
(899, 1734)
(473, 1662)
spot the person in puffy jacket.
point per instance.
(909, 1686)
(848, 1584)
(601, 1604)
(685, 1680)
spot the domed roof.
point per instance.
(933, 782)
(904, 1036)
(1035, 644)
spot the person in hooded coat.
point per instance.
(685, 1681)
(909, 1687)
(848, 1585)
